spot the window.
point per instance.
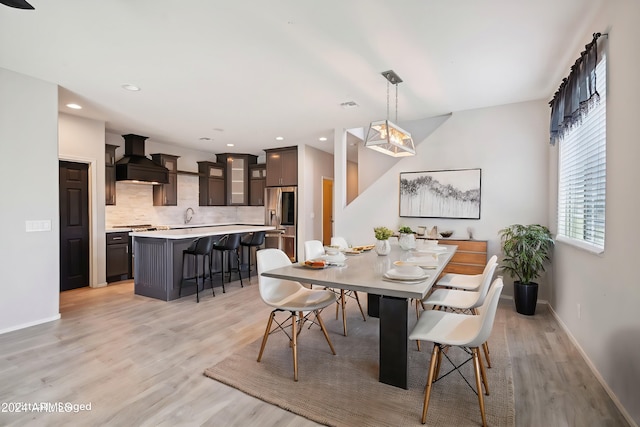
(582, 175)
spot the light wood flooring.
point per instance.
(139, 361)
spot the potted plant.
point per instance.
(526, 250)
(382, 240)
(407, 239)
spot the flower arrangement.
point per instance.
(382, 233)
(405, 230)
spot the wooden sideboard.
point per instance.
(470, 258)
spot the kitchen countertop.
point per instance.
(178, 226)
(190, 233)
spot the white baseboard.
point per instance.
(29, 324)
(604, 384)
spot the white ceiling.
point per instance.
(244, 72)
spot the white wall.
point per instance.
(30, 283)
(318, 164)
(509, 144)
(82, 140)
(606, 286)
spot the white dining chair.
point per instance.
(468, 331)
(339, 241)
(466, 302)
(467, 282)
(315, 249)
(291, 296)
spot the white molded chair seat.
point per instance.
(315, 249)
(291, 296)
(467, 282)
(446, 329)
(459, 299)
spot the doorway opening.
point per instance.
(327, 210)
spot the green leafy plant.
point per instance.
(526, 250)
(405, 229)
(382, 233)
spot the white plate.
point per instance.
(396, 275)
(423, 261)
(435, 249)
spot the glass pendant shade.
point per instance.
(390, 139)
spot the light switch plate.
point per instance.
(38, 225)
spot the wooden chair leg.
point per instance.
(483, 372)
(324, 331)
(427, 392)
(294, 345)
(266, 335)
(476, 365)
(485, 348)
(359, 305)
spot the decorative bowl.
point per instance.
(446, 234)
(407, 268)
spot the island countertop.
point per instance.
(192, 233)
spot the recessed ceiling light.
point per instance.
(279, 138)
(130, 87)
(323, 138)
(74, 106)
(230, 145)
(349, 104)
(205, 138)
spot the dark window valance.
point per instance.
(577, 92)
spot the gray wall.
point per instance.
(29, 191)
(607, 326)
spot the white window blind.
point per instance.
(582, 175)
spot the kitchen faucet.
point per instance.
(187, 217)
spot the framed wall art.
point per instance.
(440, 194)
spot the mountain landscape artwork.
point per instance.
(440, 194)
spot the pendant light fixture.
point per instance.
(18, 4)
(387, 137)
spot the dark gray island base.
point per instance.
(158, 259)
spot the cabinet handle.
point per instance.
(127, 249)
(117, 238)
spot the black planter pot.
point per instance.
(525, 296)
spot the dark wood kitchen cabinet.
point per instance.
(236, 177)
(282, 166)
(166, 194)
(257, 182)
(211, 184)
(110, 174)
(118, 256)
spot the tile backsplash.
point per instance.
(134, 205)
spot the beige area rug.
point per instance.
(343, 390)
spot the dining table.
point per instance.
(387, 299)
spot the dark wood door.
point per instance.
(74, 225)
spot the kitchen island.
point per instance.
(158, 258)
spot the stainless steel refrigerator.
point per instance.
(281, 211)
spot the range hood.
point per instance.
(134, 166)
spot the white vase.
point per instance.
(383, 247)
(407, 241)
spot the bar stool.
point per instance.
(229, 244)
(250, 241)
(200, 247)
